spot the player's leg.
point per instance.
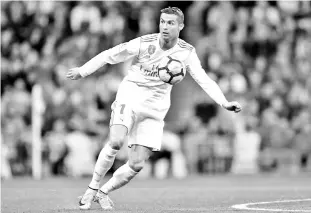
(117, 136)
(138, 155)
(104, 163)
(145, 136)
(121, 122)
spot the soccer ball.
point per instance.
(171, 71)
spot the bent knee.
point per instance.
(137, 164)
(116, 141)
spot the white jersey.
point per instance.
(151, 92)
(148, 55)
(142, 85)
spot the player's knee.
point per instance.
(137, 164)
(116, 141)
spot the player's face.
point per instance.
(169, 26)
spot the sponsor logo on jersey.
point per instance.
(153, 72)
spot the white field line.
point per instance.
(245, 206)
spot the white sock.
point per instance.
(120, 177)
(103, 164)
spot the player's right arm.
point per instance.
(117, 54)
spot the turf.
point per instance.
(194, 194)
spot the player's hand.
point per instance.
(74, 73)
(232, 106)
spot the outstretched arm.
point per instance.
(117, 54)
(208, 85)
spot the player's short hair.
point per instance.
(176, 11)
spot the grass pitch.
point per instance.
(193, 194)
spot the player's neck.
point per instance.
(167, 44)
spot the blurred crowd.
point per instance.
(258, 52)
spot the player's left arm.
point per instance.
(195, 69)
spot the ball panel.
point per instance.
(171, 70)
(174, 66)
(164, 75)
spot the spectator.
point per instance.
(85, 16)
(57, 148)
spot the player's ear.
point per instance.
(181, 26)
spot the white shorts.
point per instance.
(142, 130)
(143, 115)
(122, 114)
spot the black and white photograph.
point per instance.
(155, 106)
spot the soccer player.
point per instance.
(142, 101)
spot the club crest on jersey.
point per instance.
(151, 49)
